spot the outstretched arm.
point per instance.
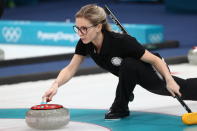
(64, 76)
(69, 71)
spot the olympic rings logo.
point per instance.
(11, 34)
(156, 37)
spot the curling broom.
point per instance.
(187, 118)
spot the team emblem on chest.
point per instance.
(116, 61)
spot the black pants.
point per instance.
(134, 72)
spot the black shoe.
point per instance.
(116, 114)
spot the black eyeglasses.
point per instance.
(83, 30)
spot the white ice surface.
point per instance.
(91, 91)
(20, 125)
(95, 92)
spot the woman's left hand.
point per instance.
(173, 88)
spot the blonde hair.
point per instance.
(95, 14)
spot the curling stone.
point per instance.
(47, 117)
(192, 55)
(2, 56)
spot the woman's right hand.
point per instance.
(48, 95)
